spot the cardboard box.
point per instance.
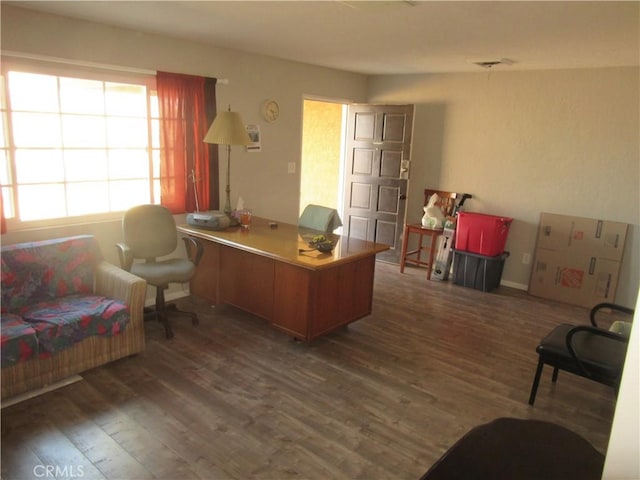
(582, 236)
(573, 278)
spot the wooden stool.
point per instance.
(432, 233)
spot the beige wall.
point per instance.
(622, 462)
(565, 141)
(260, 178)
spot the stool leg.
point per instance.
(420, 237)
(536, 381)
(405, 242)
(432, 248)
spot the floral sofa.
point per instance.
(64, 310)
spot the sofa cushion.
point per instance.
(40, 271)
(60, 323)
(18, 340)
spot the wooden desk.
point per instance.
(303, 294)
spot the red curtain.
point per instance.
(3, 221)
(184, 157)
(212, 109)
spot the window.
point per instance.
(76, 147)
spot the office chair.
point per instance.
(589, 351)
(317, 217)
(149, 232)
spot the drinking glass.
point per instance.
(245, 218)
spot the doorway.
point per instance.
(321, 168)
(355, 158)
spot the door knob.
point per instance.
(402, 197)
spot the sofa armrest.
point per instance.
(113, 282)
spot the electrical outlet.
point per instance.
(291, 167)
(526, 258)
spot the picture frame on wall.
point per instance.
(256, 139)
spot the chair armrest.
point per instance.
(113, 282)
(612, 306)
(194, 248)
(125, 256)
(615, 337)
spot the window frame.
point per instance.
(147, 80)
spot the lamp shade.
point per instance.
(228, 129)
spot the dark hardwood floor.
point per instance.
(381, 399)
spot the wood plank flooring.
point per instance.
(234, 398)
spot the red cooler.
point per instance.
(481, 233)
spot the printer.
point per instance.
(210, 220)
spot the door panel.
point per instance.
(390, 164)
(378, 155)
(365, 126)
(388, 201)
(361, 196)
(358, 226)
(385, 232)
(362, 162)
(394, 128)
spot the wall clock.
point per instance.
(270, 110)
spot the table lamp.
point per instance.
(228, 129)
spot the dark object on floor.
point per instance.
(586, 350)
(477, 271)
(515, 449)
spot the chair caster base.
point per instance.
(170, 310)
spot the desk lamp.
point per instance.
(228, 129)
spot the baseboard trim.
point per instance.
(519, 286)
(34, 393)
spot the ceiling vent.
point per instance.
(493, 63)
(377, 5)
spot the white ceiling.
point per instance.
(384, 37)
